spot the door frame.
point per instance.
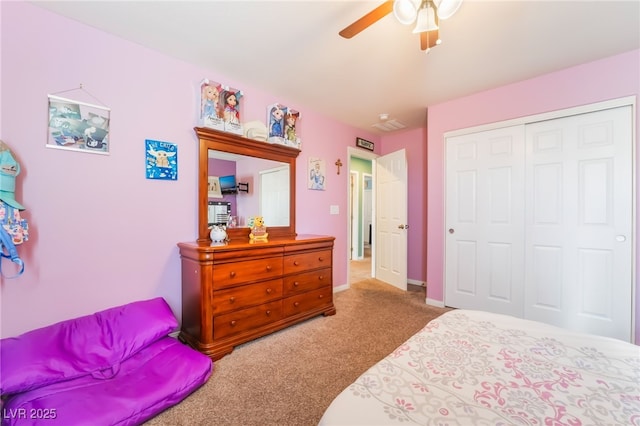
(354, 212)
(365, 155)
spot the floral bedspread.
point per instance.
(478, 368)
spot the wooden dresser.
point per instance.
(238, 291)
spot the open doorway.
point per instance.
(361, 215)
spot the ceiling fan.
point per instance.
(427, 13)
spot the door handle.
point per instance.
(400, 226)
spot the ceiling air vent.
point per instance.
(389, 126)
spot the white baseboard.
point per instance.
(340, 288)
(436, 303)
(416, 282)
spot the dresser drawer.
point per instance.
(306, 281)
(235, 273)
(305, 302)
(246, 319)
(304, 261)
(246, 295)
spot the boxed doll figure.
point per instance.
(231, 110)
(210, 109)
(291, 120)
(282, 122)
(275, 123)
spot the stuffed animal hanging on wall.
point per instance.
(14, 230)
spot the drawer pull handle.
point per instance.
(269, 291)
(296, 263)
(321, 277)
(268, 267)
(232, 274)
(296, 284)
(320, 259)
(296, 304)
(233, 323)
(321, 296)
(268, 313)
(232, 299)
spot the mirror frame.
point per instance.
(211, 139)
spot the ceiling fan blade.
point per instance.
(428, 39)
(369, 19)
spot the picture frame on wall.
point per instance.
(78, 126)
(161, 160)
(317, 173)
(213, 183)
(363, 143)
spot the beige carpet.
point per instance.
(290, 377)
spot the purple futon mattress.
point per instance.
(115, 367)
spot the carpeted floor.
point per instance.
(290, 377)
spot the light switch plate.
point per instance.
(334, 209)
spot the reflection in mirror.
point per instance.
(242, 186)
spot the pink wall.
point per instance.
(605, 79)
(102, 234)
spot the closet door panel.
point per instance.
(484, 219)
(579, 189)
(539, 221)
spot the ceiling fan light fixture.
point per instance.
(406, 11)
(426, 20)
(447, 8)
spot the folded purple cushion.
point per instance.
(161, 375)
(94, 344)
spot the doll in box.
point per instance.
(276, 115)
(290, 125)
(231, 112)
(210, 100)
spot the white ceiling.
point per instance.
(293, 47)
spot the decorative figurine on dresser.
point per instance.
(239, 290)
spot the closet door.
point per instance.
(578, 233)
(485, 221)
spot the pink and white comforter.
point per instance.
(478, 368)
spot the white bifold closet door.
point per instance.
(485, 221)
(539, 221)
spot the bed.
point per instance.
(478, 368)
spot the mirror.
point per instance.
(241, 186)
(277, 164)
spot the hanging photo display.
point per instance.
(78, 126)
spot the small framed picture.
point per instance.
(363, 143)
(215, 191)
(161, 159)
(316, 174)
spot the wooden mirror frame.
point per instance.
(216, 140)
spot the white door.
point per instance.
(548, 237)
(274, 193)
(579, 222)
(391, 219)
(484, 219)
